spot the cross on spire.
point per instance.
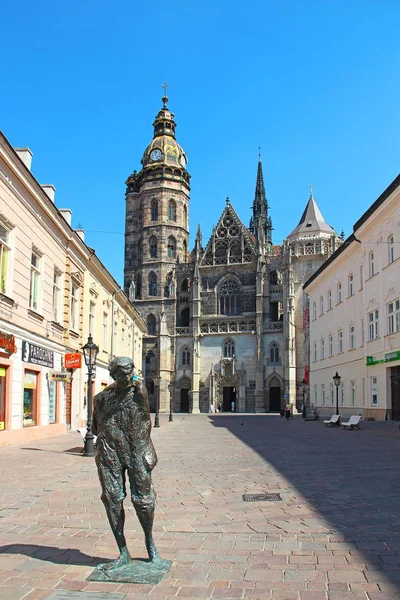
(259, 153)
(165, 86)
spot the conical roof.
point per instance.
(311, 222)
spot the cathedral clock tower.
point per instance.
(156, 238)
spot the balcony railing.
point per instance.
(183, 330)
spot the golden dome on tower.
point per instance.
(164, 149)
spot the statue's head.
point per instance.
(121, 369)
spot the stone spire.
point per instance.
(260, 222)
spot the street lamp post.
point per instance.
(336, 381)
(170, 388)
(90, 351)
(157, 385)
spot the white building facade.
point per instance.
(354, 313)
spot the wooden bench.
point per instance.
(333, 421)
(353, 422)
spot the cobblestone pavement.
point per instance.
(335, 535)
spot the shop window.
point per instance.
(53, 389)
(30, 398)
(3, 381)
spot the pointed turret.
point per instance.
(311, 221)
(260, 222)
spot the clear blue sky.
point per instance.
(314, 83)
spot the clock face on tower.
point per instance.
(155, 154)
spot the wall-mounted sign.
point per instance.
(7, 343)
(389, 356)
(73, 360)
(60, 376)
(37, 355)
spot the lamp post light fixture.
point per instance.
(171, 389)
(157, 386)
(336, 381)
(90, 351)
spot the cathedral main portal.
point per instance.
(229, 396)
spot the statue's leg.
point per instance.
(112, 479)
(144, 500)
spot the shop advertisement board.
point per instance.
(37, 355)
(73, 360)
(388, 357)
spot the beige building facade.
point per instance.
(354, 304)
(54, 291)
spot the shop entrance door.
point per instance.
(395, 392)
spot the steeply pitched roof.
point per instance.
(229, 229)
(311, 222)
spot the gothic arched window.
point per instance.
(185, 356)
(151, 324)
(273, 277)
(138, 286)
(274, 353)
(185, 217)
(184, 251)
(152, 284)
(185, 285)
(153, 246)
(230, 298)
(229, 349)
(172, 210)
(171, 247)
(154, 209)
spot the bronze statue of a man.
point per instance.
(121, 421)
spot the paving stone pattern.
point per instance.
(334, 536)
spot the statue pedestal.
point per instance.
(138, 571)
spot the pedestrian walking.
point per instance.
(233, 406)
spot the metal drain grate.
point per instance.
(262, 497)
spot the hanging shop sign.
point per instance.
(73, 360)
(389, 356)
(37, 355)
(7, 343)
(61, 376)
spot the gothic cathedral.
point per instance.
(227, 320)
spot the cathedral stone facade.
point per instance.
(226, 321)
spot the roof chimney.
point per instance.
(81, 233)
(50, 190)
(25, 155)
(67, 214)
